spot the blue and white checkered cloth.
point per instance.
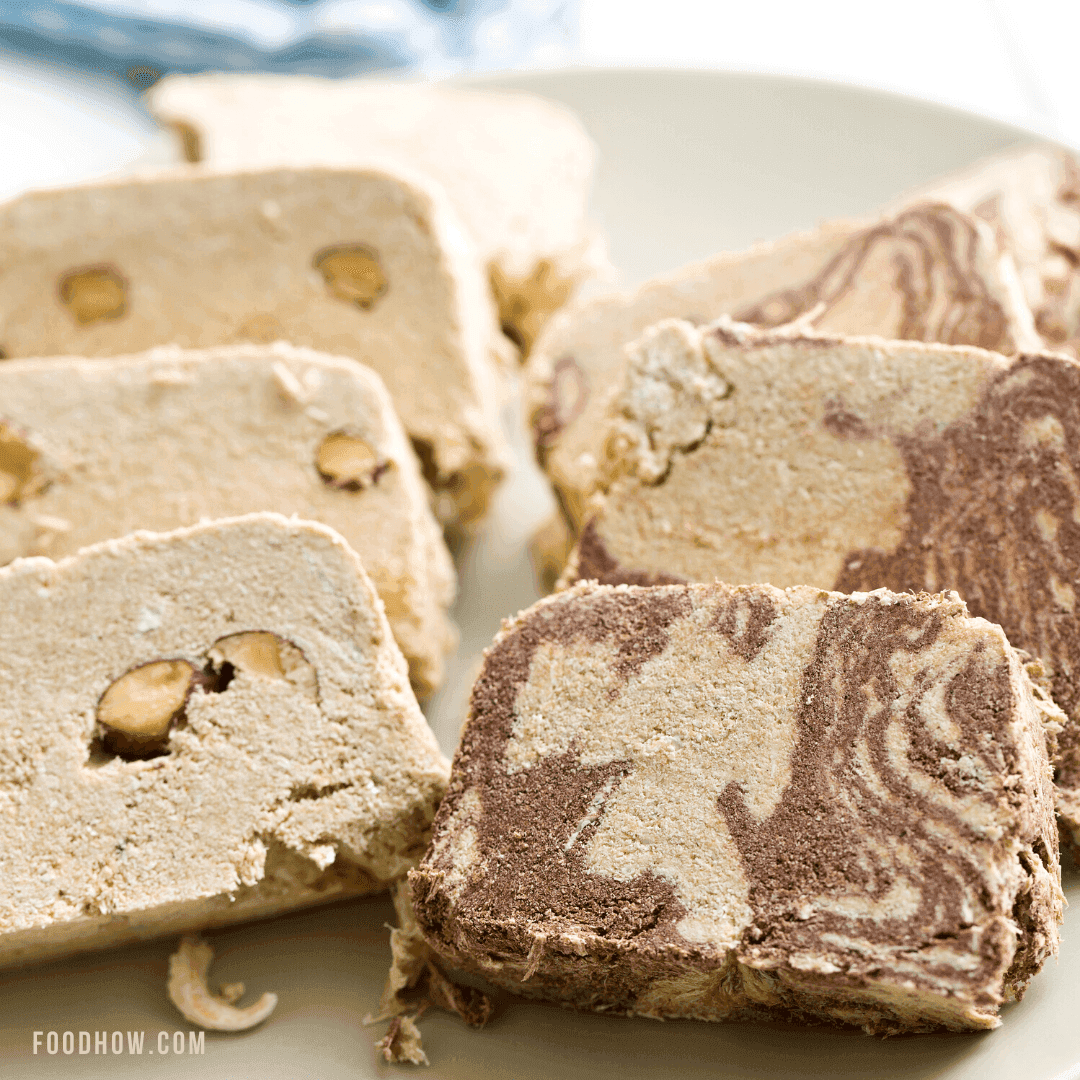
(146, 38)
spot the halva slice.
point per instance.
(93, 449)
(357, 262)
(1030, 196)
(731, 803)
(197, 728)
(515, 166)
(854, 464)
(927, 273)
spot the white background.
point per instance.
(1010, 59)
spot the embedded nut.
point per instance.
(189, 992)
(144, 702)
(346, 461)
(255, 652)
(190, 140)
(267, 656)
(93, 293)
(352, 273)
(19, 476)
(526, 303)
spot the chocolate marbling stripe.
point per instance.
(744, 618)
(596, 563)
(529, 816)
(994, 513)
(813, 845)
(933, 252)
(567, 395)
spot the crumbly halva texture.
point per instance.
(363, 263)
(416, 983)
(730, 803)
(854, 464)
(171, 437)
(516, 167)
(927, 273)
(1030, 196)
(291, 763)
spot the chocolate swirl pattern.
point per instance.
(728, 802)
(994, 513)
(932, 251)
(875, 759)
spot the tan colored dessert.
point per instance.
(516, 167)
(359, 263)
(928, 273)
(171, 437)
(853, 464)
(1030, 196)
(197, 728)
(732, 803)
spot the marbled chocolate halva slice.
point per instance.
(927, 273)
(854, 464)
(744, 802)
(1030, 196)
(355, 262)
(515, 167)
(170, 437)
(197, 728)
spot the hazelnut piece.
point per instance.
(18, 472)
(93, 293)
(352, 273)
(190, 140)
(526, 303)
(267, 656)
(138, 709)
(347, 461)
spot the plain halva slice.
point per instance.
(744, 802)
(927, 273)
(854, 464)
(1030, 196)
(197, 728)
(93, 449)
(358, 262)
(516, 167)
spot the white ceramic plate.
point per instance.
(691, 163)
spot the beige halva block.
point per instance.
(1030, 196)
(927, 273)
(197, 728)
(854, 464)
(515, 167)
(93, 449)
(731, 803)
(359, 263)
